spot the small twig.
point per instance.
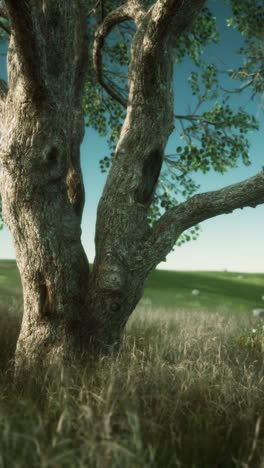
(198, 117)
(238, 90)
(93, 10)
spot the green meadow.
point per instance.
(185, 390)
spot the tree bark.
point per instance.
(41, 183)
(69, 311)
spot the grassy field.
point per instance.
(186, 390)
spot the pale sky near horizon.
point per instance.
(234, 241)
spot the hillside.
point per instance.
(220, 291)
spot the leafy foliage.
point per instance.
(192, 43)
(215, 138)
(248, 18)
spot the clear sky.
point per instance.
(233, 242)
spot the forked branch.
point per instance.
(163, 18)
(170, 18)
(130, 10)
(42, 33)
(24, 18)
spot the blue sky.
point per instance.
(233, 242)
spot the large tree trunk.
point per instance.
(70, 312)
(40, 181)
(67, 310)
(42, 194)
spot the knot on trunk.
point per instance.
(51, 156)
(111, 276)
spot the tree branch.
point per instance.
(130, 10)
(165, 16)
(81, 51)
(170, 17)
(24, 18)
(93, 10)
(193, 117)
(51, 41)
(238, 90)
(170, 226)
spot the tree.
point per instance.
(220, 132)
(70, 310)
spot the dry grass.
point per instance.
(183, 392)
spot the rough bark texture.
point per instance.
(41, 182)
(68, 310)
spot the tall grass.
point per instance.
(182, 392)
